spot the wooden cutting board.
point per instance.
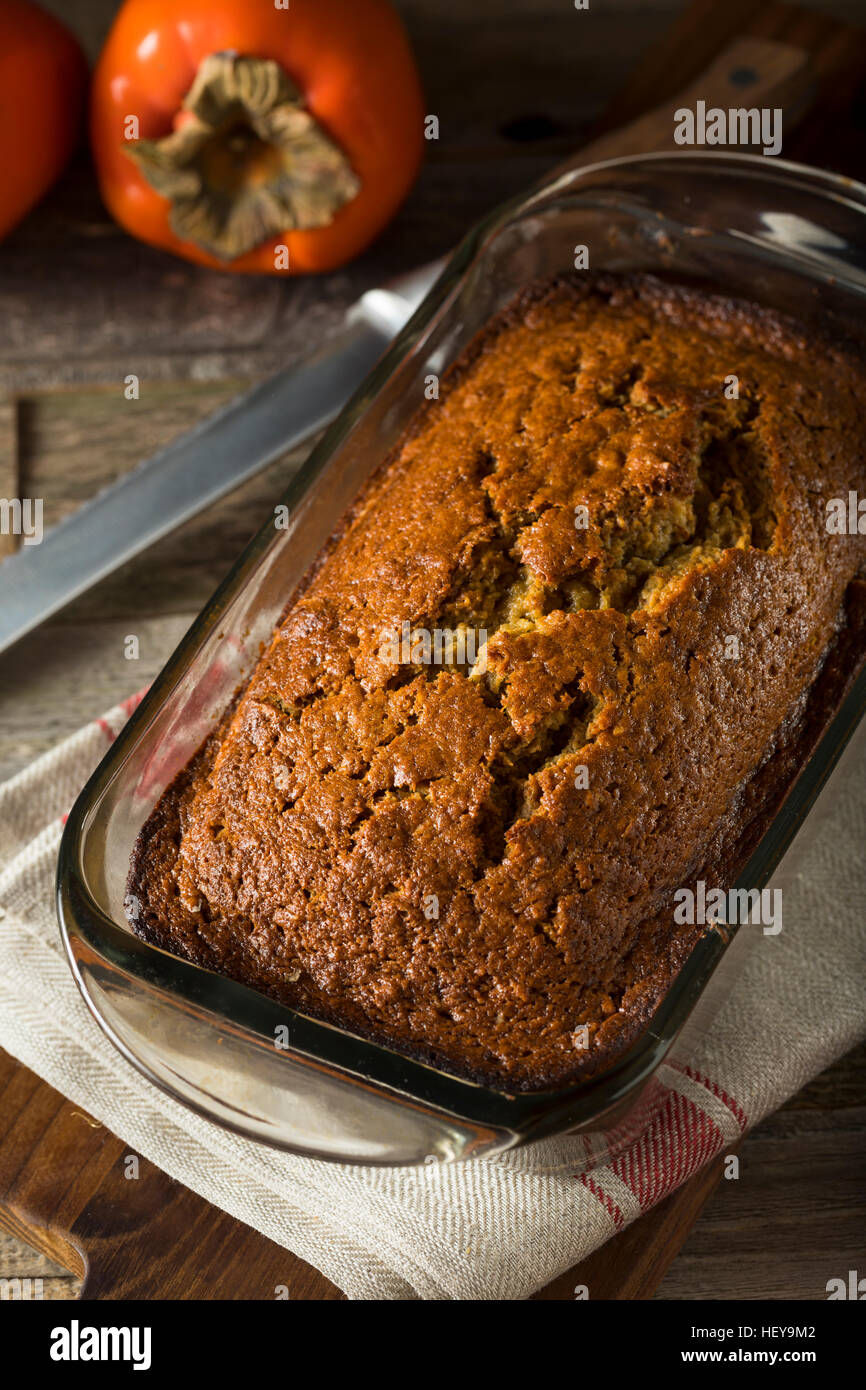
(62, 1183)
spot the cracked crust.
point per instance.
(585, 494)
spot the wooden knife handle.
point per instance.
(749, 72)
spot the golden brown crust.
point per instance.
(586, 494)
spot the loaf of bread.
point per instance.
(523, 697)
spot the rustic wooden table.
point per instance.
(517, 84)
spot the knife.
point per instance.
(260, 425)
(223, 451)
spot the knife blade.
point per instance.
(255, 429)
(220, 453)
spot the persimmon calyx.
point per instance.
(246, 160)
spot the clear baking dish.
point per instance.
(774, 232)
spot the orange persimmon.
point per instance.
(251, 136)
(43, 76)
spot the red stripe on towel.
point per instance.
(733, 1105)
(607, 1202)
(678, 1141)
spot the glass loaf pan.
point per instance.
(765, 230)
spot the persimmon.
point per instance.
(253, 136)
(43, 80)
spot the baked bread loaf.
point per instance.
(467, 845)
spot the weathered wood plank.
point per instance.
(796, 1216)
(73, 443)
(9, 470)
